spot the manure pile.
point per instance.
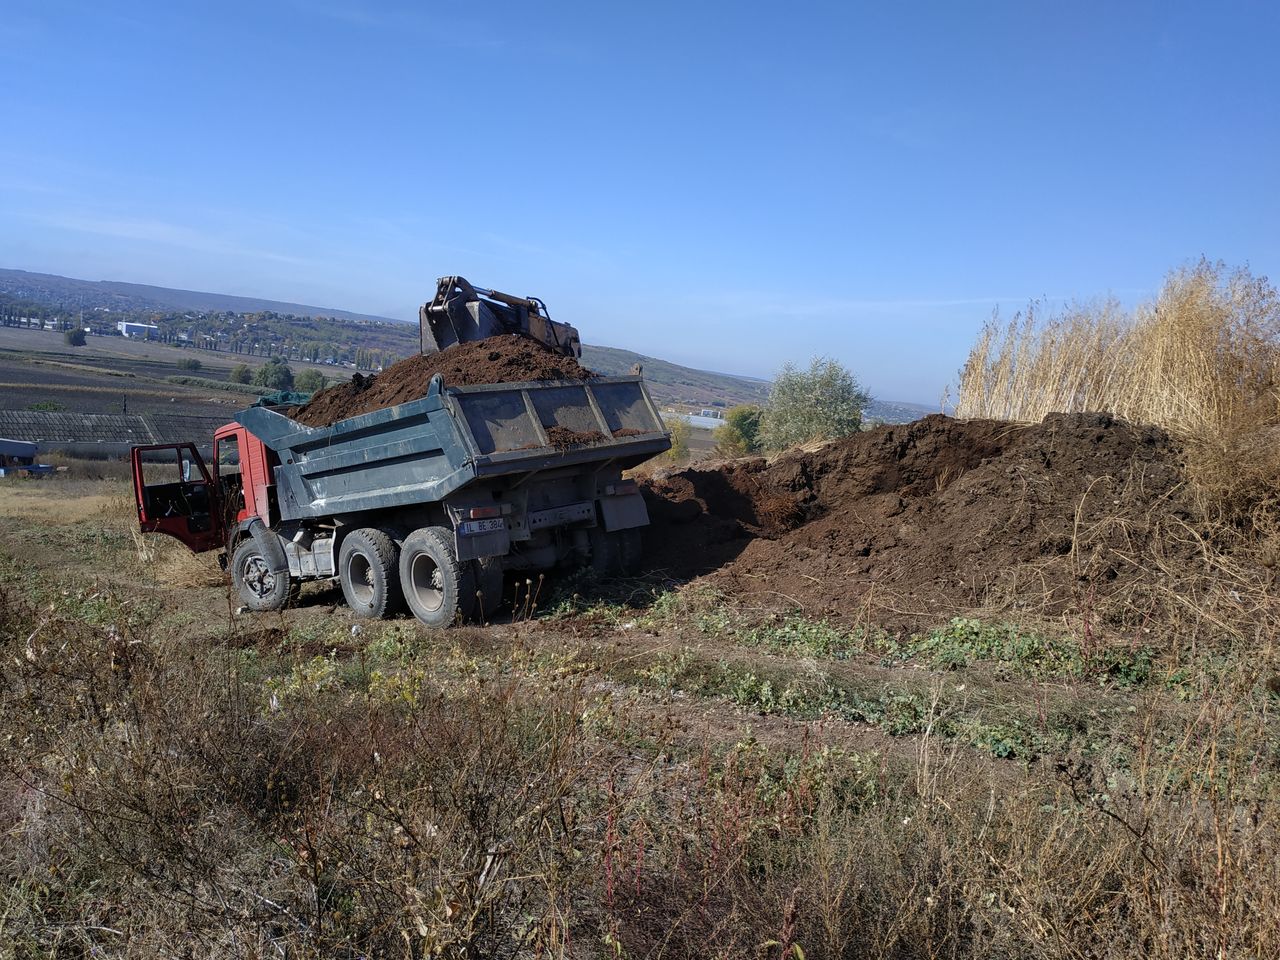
(508, 358)
(904, 525)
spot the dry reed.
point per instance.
(1202, 360)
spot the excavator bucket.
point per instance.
(456, 315)
(461, 313)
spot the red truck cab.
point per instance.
(177, 494)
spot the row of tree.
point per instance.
(276, 374)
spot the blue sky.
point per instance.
(729, 185)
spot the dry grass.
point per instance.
(30, 500)
(161, 798)
(158, 559)
(81, 499)
(172, 787)
(1202, 360)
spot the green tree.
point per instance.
(189, 363)
(680, 432)
(309, 381)
(274, 374)
(74, 338)
(240, 373)
(820, 403)
(740, 434)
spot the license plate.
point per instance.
(470, 528)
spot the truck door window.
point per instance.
(175, 485)
(227, 458)
(164, 469)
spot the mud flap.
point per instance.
(478, 546)
(623, 513)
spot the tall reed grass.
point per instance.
(1202, 360)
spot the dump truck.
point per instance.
(428, 504)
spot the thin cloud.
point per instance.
(772, 305)
(461, 35)
(169, 234)
(346, 12)
(19, 185)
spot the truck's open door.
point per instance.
(176, 495)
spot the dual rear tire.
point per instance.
(368, 570)
(616, 553)
(440, 589)
(379, 578)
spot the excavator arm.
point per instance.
(461, 313)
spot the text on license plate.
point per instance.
(469, 528)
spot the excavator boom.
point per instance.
(461, 313)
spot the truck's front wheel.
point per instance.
(368, 572)
(259, 588)
(438, 589)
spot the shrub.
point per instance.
(740, 434)
(189, 363)
(275, 374)
(240, 373)
(821, 403)
(309, 381)
(680, 432)
(74, 338)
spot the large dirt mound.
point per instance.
(509, 358)
(907, 524)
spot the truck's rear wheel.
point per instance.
(369, 572)
(616, 553)
(259, 588)
(438, 589)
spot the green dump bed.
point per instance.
(424, 450)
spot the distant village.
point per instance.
(366, 345)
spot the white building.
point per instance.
(138, 331)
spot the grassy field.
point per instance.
(618, 769)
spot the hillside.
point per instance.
(895, 411)
(674, 382)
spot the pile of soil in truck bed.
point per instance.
(907, 525)
(510, 358)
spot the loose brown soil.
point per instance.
(562, 438)
(509, 358)
(907, 524)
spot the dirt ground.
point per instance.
(694, 671)
(904, 525)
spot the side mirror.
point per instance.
(186, 471)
